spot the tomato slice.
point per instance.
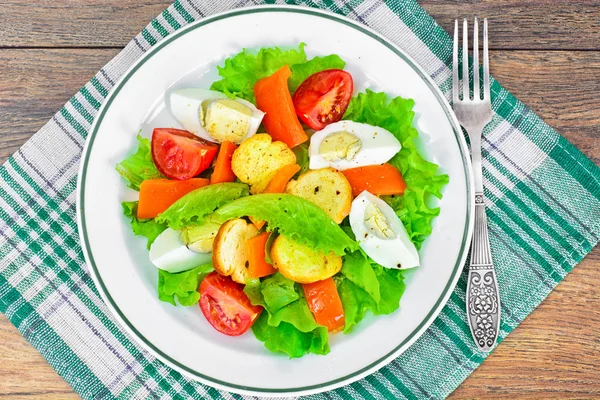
(225, 305)
(323, 97)
(179, 154)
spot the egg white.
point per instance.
(378, 145)
(170, 254)
(185, 104)
(396, 253)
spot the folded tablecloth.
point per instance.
(543, 207)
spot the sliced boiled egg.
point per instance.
(348, 144)
(380, 233)
(213, 116)
(170, 253)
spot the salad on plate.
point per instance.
(285, 202)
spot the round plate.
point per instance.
(118, 261)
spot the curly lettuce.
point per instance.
(182, 285)
(197, 204)
(365, 286)
(240, 72)
(422, 177)
(149, 228)
(286, 324)
(292, 216)
(139, 166)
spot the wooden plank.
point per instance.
(79, 23)
(531, 24)
(539, 24)
(561, 86)
(24, 374)
(35, 84)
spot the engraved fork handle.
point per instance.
(483, 299)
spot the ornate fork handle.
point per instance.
(483, 305)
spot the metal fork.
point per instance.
(483, 299)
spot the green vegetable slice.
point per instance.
(294, 217)
(194, 206)
(286, 324)
(365, 286)
(149, 228)
(139, 166)
(182, 285)
(421, 176)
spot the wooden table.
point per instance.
(546, 52)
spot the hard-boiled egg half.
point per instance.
(347, 144)
(170, 253)
(380, 233)
(213, 116)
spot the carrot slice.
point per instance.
(325, 304)
(222, 171)
(274, 98)
(257, 265)
(281, 178)
(277, 185)
(156, 195)
(376, 179)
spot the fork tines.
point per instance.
(456, 92)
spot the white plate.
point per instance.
(180, 336)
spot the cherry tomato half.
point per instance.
(225, 305)
(323, 97)
(179, 154)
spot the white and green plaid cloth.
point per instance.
(543, 208)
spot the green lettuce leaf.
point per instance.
(286, 324)
(294, 217)
(365, 286)
(182, 285)
(421, 176)
(241, 72)
(303, 70)
(357, 269)
(278, 291)
(285, 338)
(139, 166)
(194, 206)
(149, 228)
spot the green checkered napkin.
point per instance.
(543, 208)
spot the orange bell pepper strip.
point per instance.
(222, 171)
(325, 304)
(257, 265)
(274, 98)
(156, 195)
(277, 185)
(379, 180)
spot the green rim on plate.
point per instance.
(207, 379)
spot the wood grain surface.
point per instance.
(546, 52)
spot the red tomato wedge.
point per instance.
(384, 179)
(156, 195)
(274, 98)
(323, 98)
(225, 305)
(325, 304)
(180, 155)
